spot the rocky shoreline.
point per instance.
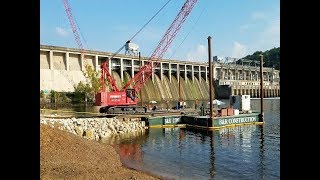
(96, 128)
(69, 150)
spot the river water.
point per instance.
(241, 152)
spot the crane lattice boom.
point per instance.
(73, 24)
(146, 71)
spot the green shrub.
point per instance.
(41, 94)
(54, 96)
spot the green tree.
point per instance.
(92, 79)
(271, 57)
(85, 91)
(54, 96)
(80, 92)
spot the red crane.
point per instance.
(126, 97)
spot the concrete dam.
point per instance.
(62, 68)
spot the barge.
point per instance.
(237, 113)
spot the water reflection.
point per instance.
(261, 165)
(212, 168)
(129, 147)
(229, 153)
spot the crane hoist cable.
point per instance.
(76, 23)
(149, 21)
(174, 52)
(114, 54)
(146, 71)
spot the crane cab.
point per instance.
(112, 100)
(131, 95)
(122, 98)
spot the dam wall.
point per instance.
(62, 68)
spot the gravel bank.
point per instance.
(65, 155)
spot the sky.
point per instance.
(237, 27)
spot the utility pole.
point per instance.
(261, 89)
(210, 81)
(141, 89)
(179, 88)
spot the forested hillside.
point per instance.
(271, 57)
